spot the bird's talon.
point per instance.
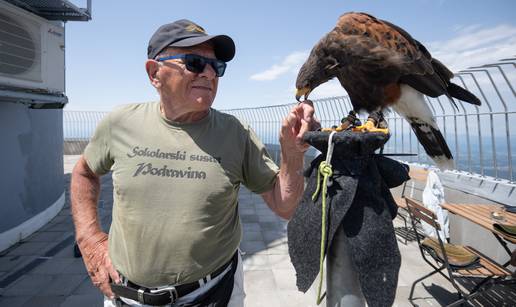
(369, 126)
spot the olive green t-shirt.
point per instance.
(175, 189)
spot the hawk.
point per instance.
(380, 65)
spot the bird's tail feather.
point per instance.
(458, 92)
(434, 144)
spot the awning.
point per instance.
(55, 9)
(34, 100)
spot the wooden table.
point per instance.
(480, 214)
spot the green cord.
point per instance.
(314, 196)
(326, 170)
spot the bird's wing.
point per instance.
(380, 45)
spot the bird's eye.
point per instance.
(331, 66)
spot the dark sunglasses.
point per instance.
(196, 63)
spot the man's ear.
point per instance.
(152, 68)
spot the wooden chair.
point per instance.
(440, 251)
(412, 188)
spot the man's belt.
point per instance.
(164, 295)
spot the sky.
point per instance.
(105, 57)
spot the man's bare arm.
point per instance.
(288, 189)
(92, 241)
(84, 196)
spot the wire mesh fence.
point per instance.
(482, 139)
(78, 128)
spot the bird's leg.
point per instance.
(350, 121)
(346, 123)
(375, 123)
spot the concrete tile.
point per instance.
(264, 211)
(262, 252)
(62, 284)
(105, 199)
(105, 223)
(83, 300)
(245, 195)
(11, 263)
(30, 249)
(246, 211)
(279, 240)
(295, 298)
(252, 246)
(412, 268)
(269, 274)
(66, 212)
(76, 266)
(28, 285)
(437, 290)
(61, 219)
(46, 236)
(421, 297)
(285, 279)
(66, 252)
(44, 301)
(252, 236)
(277, 248)
(256, 262)
(15, 301)
(261, 299)
(273, 225)
(52, 266)
(86, 287)
(260, 205)
(259, 281)
(249, 218)
(273, 235)
(244, 202)
(251, 226)
(64, 227)
(267, 218)
(281, 262)
(260, 289)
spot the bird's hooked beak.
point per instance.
(302, 91)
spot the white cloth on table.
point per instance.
(433, 199)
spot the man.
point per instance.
(177, 166)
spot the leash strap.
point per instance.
(326, 171)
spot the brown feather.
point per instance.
(373, 54)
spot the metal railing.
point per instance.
(80, 125)
(482, 139)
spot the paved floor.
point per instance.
(42, 271)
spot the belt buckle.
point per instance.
(170, 289)
(141, 299)
(173, 294)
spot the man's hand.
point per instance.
(98, 264)
(300, 120)
(288, 189)
(92, 241)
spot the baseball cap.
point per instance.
(185, 33)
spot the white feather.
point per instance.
(412, 106)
